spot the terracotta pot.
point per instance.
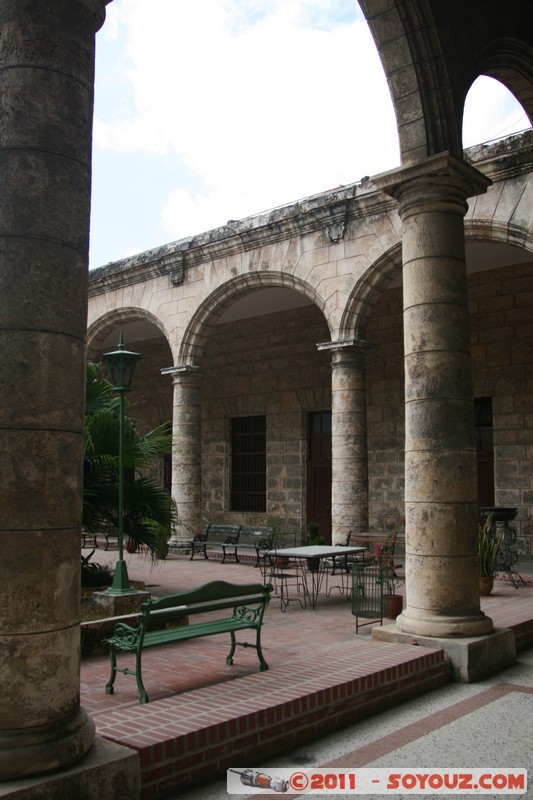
(131, 545)
(485, 585)
(394, 605)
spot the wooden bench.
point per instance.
(216, 537)
(247, 601)
(254, 539)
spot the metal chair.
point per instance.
(340, 567)
(289, 582)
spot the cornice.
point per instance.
(328, 212)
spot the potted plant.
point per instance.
(385, 558)
(314, 538)
(489, 544)
(313, 534)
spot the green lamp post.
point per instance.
(121, 365)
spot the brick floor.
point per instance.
(202, 713)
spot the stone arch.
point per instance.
(366, 292)
(426, 115)
(430, 68)
(98, 330)
(384, 270)
(489, 230)
(509, 61)
(203, 320)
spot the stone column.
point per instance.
(440, 456)
(46, 105)
(186, 448)
(349, 459)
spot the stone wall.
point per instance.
(270, 365)
(501, 314)
(385, 413)
(266, 365)
(501, 306)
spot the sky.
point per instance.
(213, 110)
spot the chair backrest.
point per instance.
(347, 542)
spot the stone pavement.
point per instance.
(321, 678)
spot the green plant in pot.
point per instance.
(313, 534)
(384, 553)
(314, 538)
(489, 544)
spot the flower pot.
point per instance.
(131, 545)
(394, 605)
(486, 582)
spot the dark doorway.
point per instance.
(485, 450)
(319, 472)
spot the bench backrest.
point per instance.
(210, 597)
(256, 537)
(221, 534)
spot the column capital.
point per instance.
(181, 369)
(439, 183)
(344, 345)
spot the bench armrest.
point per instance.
(126, 635)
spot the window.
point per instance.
(248, 463)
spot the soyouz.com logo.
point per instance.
(438, 781)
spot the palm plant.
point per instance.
(149, 511)
(489, 547)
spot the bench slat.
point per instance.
(167, 635)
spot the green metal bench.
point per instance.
(247, 601)
(216, 536)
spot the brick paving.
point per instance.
(202, 712)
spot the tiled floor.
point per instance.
(305, 648)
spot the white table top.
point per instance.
(317, 551)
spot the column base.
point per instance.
(472, 658)
(39, 750)
(107, 772)
(477, 624)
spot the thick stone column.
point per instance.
(186, 448)
(46, 104)
(349, 460)
(440, 455)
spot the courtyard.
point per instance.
(321, 678)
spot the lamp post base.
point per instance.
(121, 582)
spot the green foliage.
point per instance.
(313, 534)
(489, 546)
(149, 511)
(277, 529)
(94, 575)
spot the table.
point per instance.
(315, 552)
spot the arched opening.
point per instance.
(491, 111)
(263, 383)
(150, 399)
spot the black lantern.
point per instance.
(121, 365)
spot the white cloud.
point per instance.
(239, 106)
(265, 102)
